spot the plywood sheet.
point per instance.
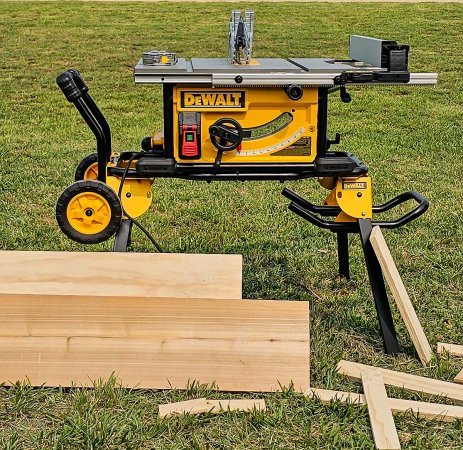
(121, 274)
(241, 345)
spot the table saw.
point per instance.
(243, 118)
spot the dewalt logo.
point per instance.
(198, 100)
(357, 185)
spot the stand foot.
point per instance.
(343, 254)
(378, 289)
(123, 236)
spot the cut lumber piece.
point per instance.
(403, 380)
(121, 274)
(159, 343)
(198, 405)
(381, 420)
(459, 377)
(217, 406)
(400, 295)
(202, 405)
(453, 349)
(433, 411)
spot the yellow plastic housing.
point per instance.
(252, 107)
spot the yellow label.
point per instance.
(357, 185)
(197, 100)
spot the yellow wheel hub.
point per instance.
(88, 213)
(91, 173)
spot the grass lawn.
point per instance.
(412, 138)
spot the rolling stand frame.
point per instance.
(363, 227)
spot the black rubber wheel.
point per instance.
(89, 212)
(87, 168)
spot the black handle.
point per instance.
(423, 205)
(330, 211)
(80, 83)
(226, 134)
(306, 210)
(67, 84)
(72, 84)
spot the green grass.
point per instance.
(412, 138)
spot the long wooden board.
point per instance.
(121, 274)
(241, 345)
(453, 349)
(403, 380)
(381, 420)
(202, 405)
(433, 411)
(400, 295)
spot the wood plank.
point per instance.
(195, 406)
(241, 345)
(459, 377)
(400, 295)
(403, 380)
(121, 274)
(202, 405)
(453, 349)
(381, 420)
(237, 405)
(427, 410)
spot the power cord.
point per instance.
(119, 194)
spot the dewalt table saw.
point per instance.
(239, 118)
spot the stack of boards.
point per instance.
(153, 320)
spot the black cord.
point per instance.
(119, 194)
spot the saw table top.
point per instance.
(261, 71)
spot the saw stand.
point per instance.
(363, 227)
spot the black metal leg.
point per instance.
(378, 288)
(123, 236)
(343, 254)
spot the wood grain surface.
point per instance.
(241, 345)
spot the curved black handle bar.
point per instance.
(76, 91)
(306, 210)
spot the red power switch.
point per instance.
(190, 141)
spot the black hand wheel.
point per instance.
(87, 168)
(226, 134)
(89, 212)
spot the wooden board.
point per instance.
(195, 406)
(432, 411)
(121, 274)
(202, 405)
(381, 420)
(453, 349)
(242, 345)
(459, 377)
(244, 404)
(401, 296)
(403, 380)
